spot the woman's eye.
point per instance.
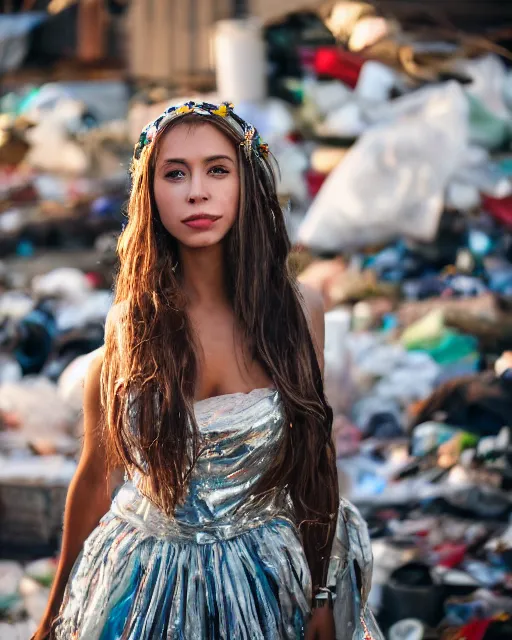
(174, 174)
(218, 170)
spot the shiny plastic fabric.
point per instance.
(227, 565)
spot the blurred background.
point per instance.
(392, 125)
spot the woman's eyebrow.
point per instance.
(219, 157)
(205, 161)
(175, 161)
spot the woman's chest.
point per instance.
(225, 362)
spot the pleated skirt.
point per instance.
(126, 585)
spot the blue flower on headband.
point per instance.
(252, 142)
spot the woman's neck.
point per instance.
(203, 275)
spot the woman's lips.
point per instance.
(201, 223)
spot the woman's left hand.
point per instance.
(321, 625)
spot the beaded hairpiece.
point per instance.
(251, 142)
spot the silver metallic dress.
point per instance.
(227, 565)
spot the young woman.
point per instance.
(209, 397)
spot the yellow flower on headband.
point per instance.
(184, 109)
(223, 110)
(263, 149)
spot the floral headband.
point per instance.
(252, 142)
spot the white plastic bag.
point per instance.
(375, 82)
(10, 575)
(392, 181)
(91, 307)
(489, 78)
(479, 172)
(65, 282)
(39, 410)
(326, 96)
(347, 121)
(51, 148)
(10, 370)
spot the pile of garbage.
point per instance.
(48, 336)
(425, 451)
(410, 183)
(24, 593)
(64, 152)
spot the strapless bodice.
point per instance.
(240, 434)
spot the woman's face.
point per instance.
(197, 184)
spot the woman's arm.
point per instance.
(89, 494)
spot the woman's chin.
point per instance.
(201, 240)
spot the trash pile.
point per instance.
(48, 336)
(395, 152)
(424, 450)
(408, 238)
(24, 593)
(64, 152)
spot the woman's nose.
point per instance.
(198, 190)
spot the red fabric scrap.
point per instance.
(338, 63)
(500, 209)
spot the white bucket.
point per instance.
(240, 61)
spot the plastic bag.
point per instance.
(480, 173)
(18, 630)
(66, 282)
(376, 82)
(489, 79)
(11, 574)
(392, 181)
(39, 411)
(51, 148)
(92, 307)
(10, 370)
(486, 128)
(14, 305)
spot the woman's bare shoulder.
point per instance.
(312, 298)
(115, 318)
(117, 313)
(313, 305)
(314, 311)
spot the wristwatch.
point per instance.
(324, 598)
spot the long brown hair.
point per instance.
(150, 370)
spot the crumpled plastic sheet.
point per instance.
(392, 181)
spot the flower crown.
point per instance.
(252, 142)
